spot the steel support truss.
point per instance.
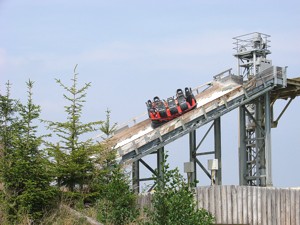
(157, 173)
(195, 153)
(255, 142)
(194, 158)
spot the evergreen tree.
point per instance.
(116, 201)
(173, 201)
(8, 133)
(8, 126)
(25, 177)
(74, 158)
(106, 127)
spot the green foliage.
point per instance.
(73, 163)
(173, 201)
(106, 127)
(8, 133)
(85, 172)
(117, 203)
(26, 181)
(9, 128)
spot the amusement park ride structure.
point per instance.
(254, 91)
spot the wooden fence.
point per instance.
(247, 205)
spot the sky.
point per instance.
(133, 50)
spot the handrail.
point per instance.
(219, 75)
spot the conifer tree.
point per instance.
(8, 133)
(8, 122)
(106, 127)
(73, 157)
(117, 201)
(25, 177)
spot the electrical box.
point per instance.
(213, 164)
(189, 167)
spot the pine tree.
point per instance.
(117, 203)
(8, 133)
(25, 177)
(8, 122)
(106, 127)
(73, 157)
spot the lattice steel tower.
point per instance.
(254, 118)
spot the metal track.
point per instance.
(137, 148)
(163, 140)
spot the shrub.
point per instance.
(173, 201)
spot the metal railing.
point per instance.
(278, 74)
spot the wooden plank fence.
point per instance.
(246, 205)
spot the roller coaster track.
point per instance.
(225, 93)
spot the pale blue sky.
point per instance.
(133, 50)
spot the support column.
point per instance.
(268, 147)
(160, 160)
(217, 134)
(242, 147)
(193, 175)
(136, 176)
(254, 64)
(260, 154)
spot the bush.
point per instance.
(117, 203)
(174, 203)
